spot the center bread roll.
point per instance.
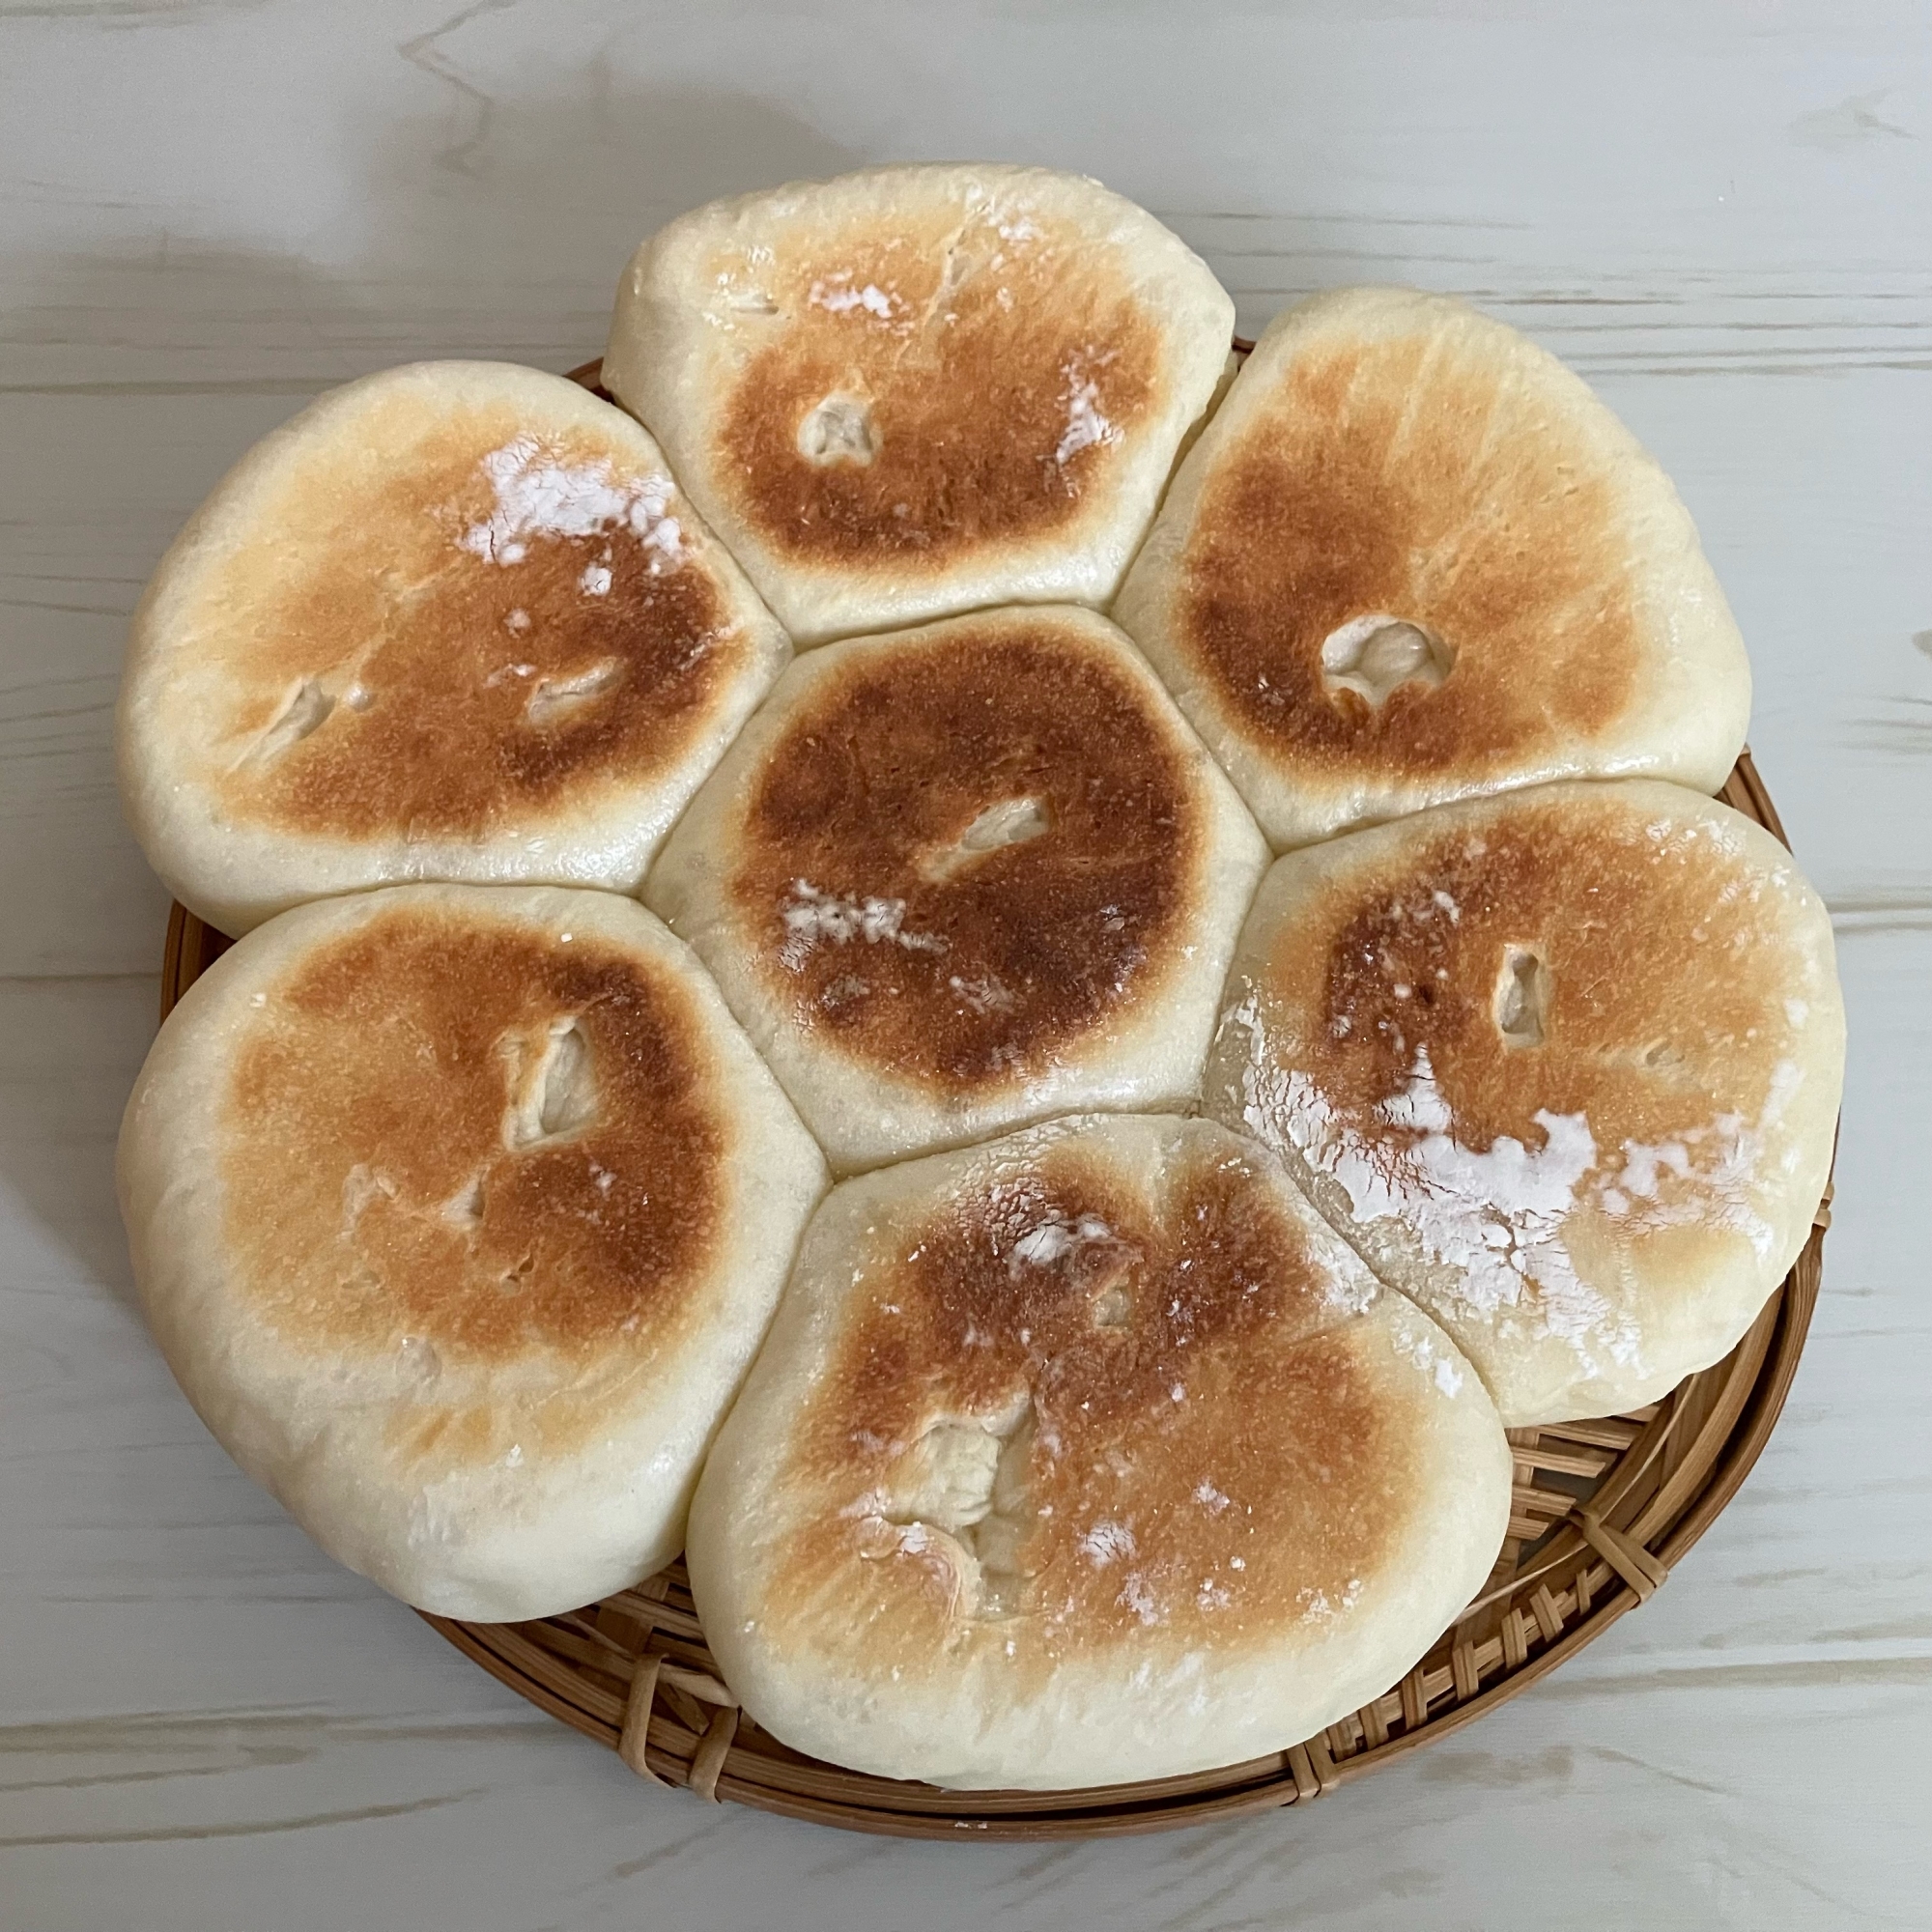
(1085, 1456)
(458, 1212)
(962, 877)
(915, 389)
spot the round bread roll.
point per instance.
(458, 1212)
(961, 877)
(1413, 559)
(915, 389)
(1084, 1456)
(455, 622)
(1563, 1065)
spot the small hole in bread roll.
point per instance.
(1371, 656)
(962, 1491)
(1007, 821)
(553, 1086)
(1109, 1269)
(1521, 997)
(464, 1208)
(840, 430)
(306, 712)
(960, 269)
(998, 1535)
(553, 698)
(1010, 822)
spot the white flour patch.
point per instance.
(1108, 1542)
(990, 995)
(1785, 1080)
(1436, 1362)
(1497, 1218)
(1494, 1216)
(812, 916)
(1704, 1177)
(1085, 424)
(1054, 1241)
(845, 989)
(838, 296)
(538, 495)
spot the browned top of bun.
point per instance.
(995, 372)
(1402, 475)
(1563, 1064)
(1411, 559)
(1124, 1330)
(1002, 809)
(1569, 952)
(442, 612)
(465, 1138)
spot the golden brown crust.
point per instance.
(881, 905)
(1562, 1064)
(1411, 476)
(1196, 1447)
(474, 1143)
(456, 662)
(980, 375)
(1549, 960)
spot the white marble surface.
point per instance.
(211, 209)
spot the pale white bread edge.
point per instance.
(235, 875)
(664, 357)
(861, 1113)
(1546, 1382)
(1092, 1725)
(496, 1544)
(1690, 731)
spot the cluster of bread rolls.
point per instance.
(1016, 985)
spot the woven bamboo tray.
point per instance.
(1600, 1512)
